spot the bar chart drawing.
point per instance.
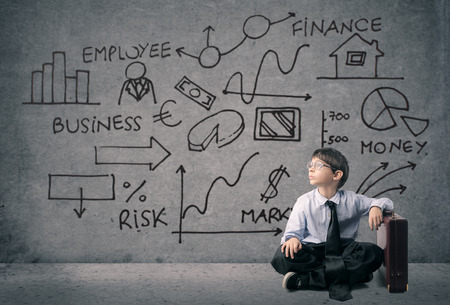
(53, 86)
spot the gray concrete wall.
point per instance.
(203, 160)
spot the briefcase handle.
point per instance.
(390, 213)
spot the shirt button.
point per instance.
(329, 214)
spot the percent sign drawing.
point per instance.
(274, 178)
(142, 198)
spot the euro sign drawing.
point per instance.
(274, 178)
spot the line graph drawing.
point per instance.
(81, 188)
(202, 210)
(254, 92)
(255, 27)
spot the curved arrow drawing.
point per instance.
(402, 188)
(410, 165)
(383, 166)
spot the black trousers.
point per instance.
(360, 260)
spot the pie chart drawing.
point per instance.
(376, 110)
(217, 130)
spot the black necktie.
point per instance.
(335, 272)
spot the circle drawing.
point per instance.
(135, 70)
(256, 26)
(209, 57)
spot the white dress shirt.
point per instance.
(310, 216)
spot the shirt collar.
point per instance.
(322, 199)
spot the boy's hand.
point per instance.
(291, 247)
(375, 218)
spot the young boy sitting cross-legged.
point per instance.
(318, 249)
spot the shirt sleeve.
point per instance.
(366, 203)
(296, 224)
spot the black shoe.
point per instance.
(291, 281)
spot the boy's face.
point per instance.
(320, 177)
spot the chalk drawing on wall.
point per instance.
(379, 105)
(221, 129)
(203, 210)
(415, 125)
(53, 86)
(383, 166)
(255, 92)
(254, 27)
(81, 188)
(328, 138)
(194, 92)
(277, 124)
(165, 114)
(152, 155)
(137, 84)
(274, 179)
(142, 197)
(357, 58)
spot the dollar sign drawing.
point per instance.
(274, 179)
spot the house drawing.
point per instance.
(357, 58)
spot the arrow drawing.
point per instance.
(383, 166)
(254, 93)
(277, 231)
(208, 29)
(152, 155)
(410, 165)
(81, 188)
(182, 171)
(82, 210)
(402, 188)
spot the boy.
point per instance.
(319, 253)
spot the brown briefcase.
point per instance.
(392, 237)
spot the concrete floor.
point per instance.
(196, 284)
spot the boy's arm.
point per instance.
(376, 206)
(295, 228)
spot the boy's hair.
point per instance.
(336, 160)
